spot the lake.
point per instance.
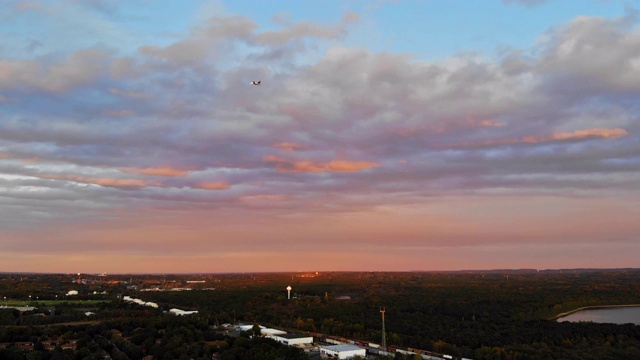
(617, 315)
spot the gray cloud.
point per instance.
(557, 121)
(77, 69)
(305, 30)
(593, 56)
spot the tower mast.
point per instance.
(384, 337)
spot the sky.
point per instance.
(384, 136)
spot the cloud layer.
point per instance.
(168, 147)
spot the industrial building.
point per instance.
(179, 312)
(345, 351)
(139, 302)
(19, 308)
(268, 332)
(292, 339)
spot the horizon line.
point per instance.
(322, 271)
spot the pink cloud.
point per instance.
(576, 135)
(289, 146)
(284, 165)
(158, 171)
(483, 123)
(591, 133)
(265, 198)
(490, 123)
(558, 136)
(217, 185)
(24, 160)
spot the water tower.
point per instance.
(288, 292)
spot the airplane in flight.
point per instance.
(255, 82)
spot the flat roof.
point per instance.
(294, 336)
(19, 308)
(343, 347)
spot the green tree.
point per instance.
(255, 330)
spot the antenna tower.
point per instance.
(384, 337)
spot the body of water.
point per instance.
(617, 315)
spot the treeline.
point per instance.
(475, 315)
(162, 337)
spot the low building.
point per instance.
(243, 327)
(19, 308)
(179, 312)
(139, 301)
(268, 332)
(345, 351)
(293, 339)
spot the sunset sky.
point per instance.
(386, 135)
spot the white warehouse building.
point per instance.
(345, 351)
(292, 339)
(179, 312)
(268, 332)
